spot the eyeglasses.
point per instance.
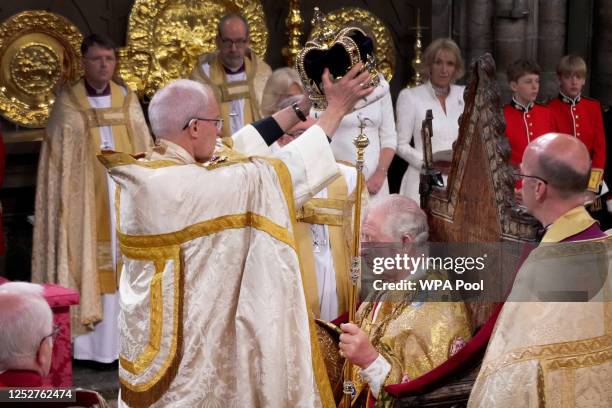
(228, 42)
(53, 334)
(520, 176)
(218, 122)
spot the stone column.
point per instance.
(514, 35)
(441, 15)
(480, 20)
(459, 25)
(551, 43)
(601, 67)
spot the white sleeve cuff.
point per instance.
(375, 374)
(310, 162)
(248, 141)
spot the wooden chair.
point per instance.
(477, 206)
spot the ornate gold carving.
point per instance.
(418, 46)
(39, 52)
(165, 38)
(294, 32)
(373, 27)
(35, 69)
(482, 124)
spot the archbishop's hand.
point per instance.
(355, 346)
(305, 104)
(342, 95)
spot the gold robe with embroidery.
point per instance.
(553, 354)
(414, 338)
(72, 233)
(251, 89)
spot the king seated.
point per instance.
(398, 340)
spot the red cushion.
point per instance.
(59, 299)
(60, 296)
(453, 365)
(55, 295)
(343, 318)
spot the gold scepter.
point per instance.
(360, 142)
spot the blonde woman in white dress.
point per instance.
(442, 66)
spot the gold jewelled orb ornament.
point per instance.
(166, 37)
(39, 52)
(373, 27)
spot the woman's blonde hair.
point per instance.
(276, 89)
(445, 44)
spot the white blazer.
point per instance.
(412, 104)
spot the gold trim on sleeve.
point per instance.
(145, 394)
(206, 228)
(115, 159)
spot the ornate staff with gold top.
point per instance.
(294, 32)
(360, 142)
(340, 49)
(418, 46)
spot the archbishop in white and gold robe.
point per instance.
(213, 311)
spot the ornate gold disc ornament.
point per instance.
(39, 52)
(373, 27)
(165, 38)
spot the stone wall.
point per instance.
(541, 30)
(602, 57)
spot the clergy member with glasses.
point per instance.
(236, 75)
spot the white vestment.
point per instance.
(212, 305)
(102, 344)
(412, 105)
(324, 261)
(237, 105)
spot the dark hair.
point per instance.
(563, 177)
(522, 67)
(229, 17)
(99, 40)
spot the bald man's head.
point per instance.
(560, 159)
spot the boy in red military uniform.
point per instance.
(525, 119)
(580, 116)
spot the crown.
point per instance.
(336, 50)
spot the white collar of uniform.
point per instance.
(519, 106)
(569, 99)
